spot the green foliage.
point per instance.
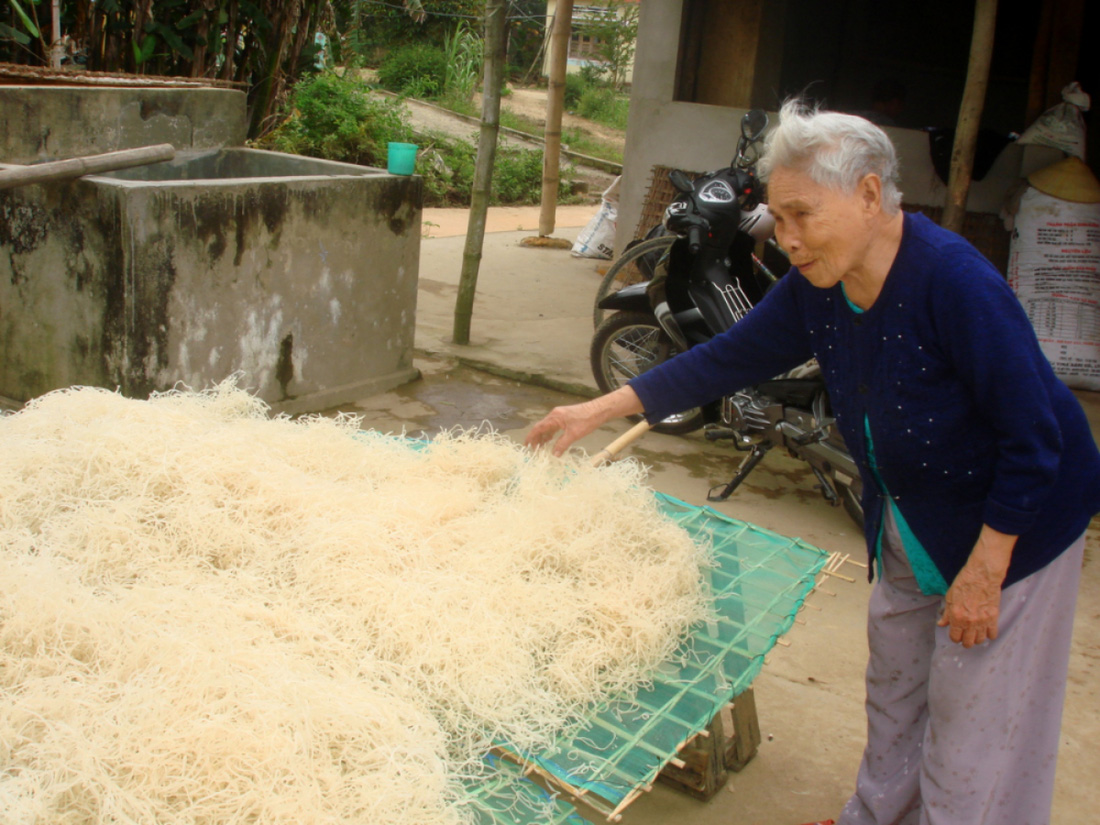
(575, 86)
(24, 18)
(581, 141)
(526, 32)
(463, 49)
(517, 175)
(369, 28)
(604, 105)
(422, 67)
(614, 29)
(263, 45)
(335, 118)
(593, 74)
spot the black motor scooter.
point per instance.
(708, 279)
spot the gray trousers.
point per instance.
(957, 736)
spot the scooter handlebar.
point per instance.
(695, 238)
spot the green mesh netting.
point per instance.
(506, 797)
(759, 582)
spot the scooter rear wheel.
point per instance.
(626, 345)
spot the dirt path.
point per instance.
(531, 103)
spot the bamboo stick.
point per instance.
(56, 170)
(617, 814)
(616, 446)
(839, 576)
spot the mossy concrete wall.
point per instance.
(300, 274)
(49, 122)
(305, 283)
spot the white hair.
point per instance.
(834, 149)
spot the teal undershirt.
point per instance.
(929, 578)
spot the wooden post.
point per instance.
(555, 104)
(12, 176)
(1040, 64)
(495, 34)
(970, 115)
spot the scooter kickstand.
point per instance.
(747, 465)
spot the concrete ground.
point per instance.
(532, 320)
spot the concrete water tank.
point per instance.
(299, 273)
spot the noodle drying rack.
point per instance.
(759, 581)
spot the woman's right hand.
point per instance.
(578, 420)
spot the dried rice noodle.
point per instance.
(207, 615)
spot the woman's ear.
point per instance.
(870, 194)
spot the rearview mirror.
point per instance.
(680, 181)
(753, 124)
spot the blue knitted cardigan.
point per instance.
(970, 425)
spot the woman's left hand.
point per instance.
(972, 605)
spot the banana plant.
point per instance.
(31, 33)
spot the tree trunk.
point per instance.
(57, 51)
(555, 103)
(495, 31)
(970, 115)
(230, 46)
(304, 30)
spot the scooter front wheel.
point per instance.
(627, 344)
(632, 267)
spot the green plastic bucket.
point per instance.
(401, 158)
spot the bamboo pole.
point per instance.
(555, 104)
(970, 115)
(612, 449)
(56, 170)
(495, 33)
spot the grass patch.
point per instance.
(604, 105)
(521, 123)
(584, 143)
(448, 169)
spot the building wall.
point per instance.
(697, 137)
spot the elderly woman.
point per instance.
(979, 470)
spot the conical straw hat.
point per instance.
(1067, 180)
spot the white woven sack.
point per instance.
(1054, 268)
(597, 239)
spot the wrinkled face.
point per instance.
(825, 232)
